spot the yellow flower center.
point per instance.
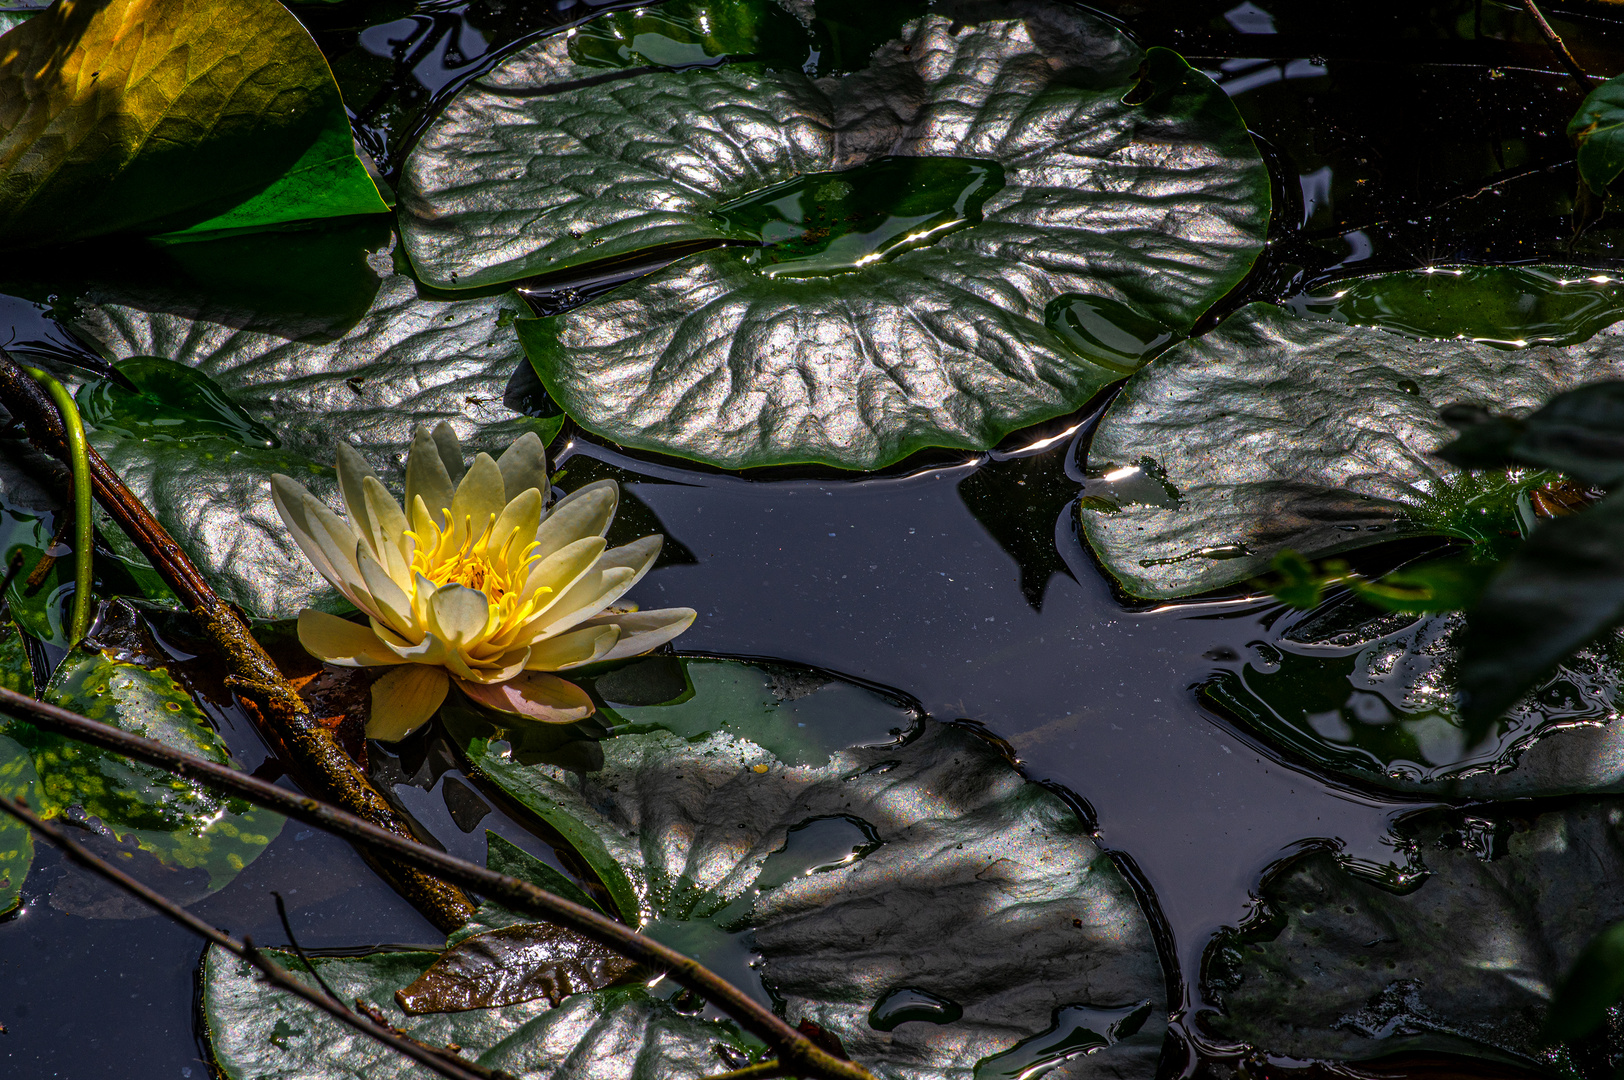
(500, 575)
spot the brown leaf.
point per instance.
(513, 964)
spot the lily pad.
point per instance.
(894, 249)
(1275, 432)
(1372, 696)
(205, 838)
(17, 777)
(163, 115)
(823, 886)
(409, 360)
(1458, 954)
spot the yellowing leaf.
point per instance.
(158, 115)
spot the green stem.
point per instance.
(83, 523)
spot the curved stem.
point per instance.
(83, 523)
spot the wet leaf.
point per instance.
(16, 841)
(173, 403)
(1597, 130)
(182, 825)
(1509, 306)
(1374, 697)
(511, 965)
(891, 271)
(409, 360)
(824, 883)
(1453, 947)
(258, 1033)
(163, 115)
(1275, 432)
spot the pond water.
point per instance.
(1397, 134)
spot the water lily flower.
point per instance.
(476, 582)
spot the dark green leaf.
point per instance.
(1449, 943)
(837, 869)
(1274, 432)
(1597, 130)
(935, 313)
(1593, 985)
(17, 780)
(505, 857)
(1436, 585)
(156, 115)
(511, 965)
(1563, 590)
(1580, 432)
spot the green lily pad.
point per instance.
(1373, 696)
(1275, 432)
(258, 1033)
(172, 403)
(409, 360)
(17, 777)
(822, 886)
(1457, 952)
(167, 116)
(1510, 306)
(884, 278)
(1597, 129)
(206, 838)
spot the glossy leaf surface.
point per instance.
(729, 358)
(1455, 952)
(157, 115)
(174, 403)
(407, 361)
(17, 777)
(825, 883)
(1275, 432)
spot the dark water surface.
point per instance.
(1400, 134)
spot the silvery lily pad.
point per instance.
(972, 233)
(409, 360)
(1458, 953)
(1372, 697)
(825, 883)
(1275, 432)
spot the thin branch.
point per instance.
(311, 750)
(298, 950)
(795, 1051)
(441, 1061)
(1560, 48)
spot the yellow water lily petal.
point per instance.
(388, 524)
(353, 471)
(641, 631)
(533, 694)
(524, 466)
(339, 641)
(459, 616)
(563, 568)
(427, 479)
(515, 528)
(478, 499)
(450, 450)
(587, 512)
(615, 572)
(404, 700)
(389, 601)
(572, 649)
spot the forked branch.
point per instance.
(796, 1054)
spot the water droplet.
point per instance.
(1077, 1030)
(907, 1004)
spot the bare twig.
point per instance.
(298, 950)
(796, 1053)
(311, 750)
(1560, 48)
(439, 1060)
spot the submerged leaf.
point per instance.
(409, 360)
(156, 115)
(1454, 952)
(824, 882)
(182, 824)
(1274, 432)
(897, 249)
